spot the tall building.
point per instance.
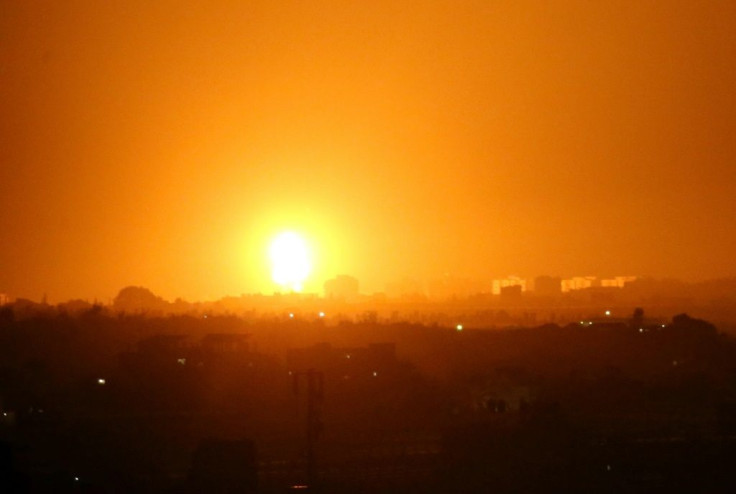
(548, 286)
(579, 283)
(498, 284)
(511, 294)
(618, 281)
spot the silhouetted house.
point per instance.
(499, 284)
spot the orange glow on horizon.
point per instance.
(166, 147)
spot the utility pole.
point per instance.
(315, 396)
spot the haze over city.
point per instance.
(365, 247)
(166, 144)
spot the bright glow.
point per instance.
(608, 312)
(290, 260)
(459, 327)
(321, 314)
(101, 381)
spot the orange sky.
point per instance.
(162, 143)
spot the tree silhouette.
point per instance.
(138, 299)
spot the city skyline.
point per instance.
(345, 288)
(166, 145)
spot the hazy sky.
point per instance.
(163, 143)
